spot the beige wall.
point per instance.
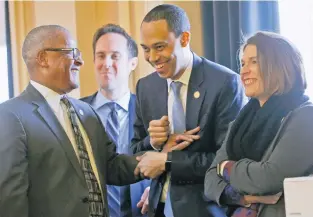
(82, 18)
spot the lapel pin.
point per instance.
(196, 94)
(81, 112)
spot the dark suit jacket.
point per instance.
(221, 98)
(129, 194)
(39, 172)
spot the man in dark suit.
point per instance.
(115, 57)
(55, 157)
(185, 92)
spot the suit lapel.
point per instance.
(90, 98)
(131, 117)
(196, 93)
(47, 115)
(160, 102)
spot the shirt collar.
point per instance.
(101, 100)
(184, 79)
(52, 97)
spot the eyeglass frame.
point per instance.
(66, 49)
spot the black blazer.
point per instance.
(221, 98)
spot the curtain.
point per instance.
(226, 23)
(21, 17)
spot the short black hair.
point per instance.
(113, 28)
(176, 18)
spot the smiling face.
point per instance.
(162, 49)
(112, 62)
(251, 75)
(61, 72)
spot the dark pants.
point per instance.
(160, 210)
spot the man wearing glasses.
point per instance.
(55, 157)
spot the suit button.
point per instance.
(85, 200)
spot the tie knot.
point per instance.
(66, 102)
(176, 86)
(113, 106)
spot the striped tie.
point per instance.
(112, 124)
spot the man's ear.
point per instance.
(42, 59)
(133, 63)
(185, 39)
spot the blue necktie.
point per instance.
(112, 124)
(112, 129)
(179, 126)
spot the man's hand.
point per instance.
(144, 201)
(158, 132)
(151, 164)
(270, 199)
(181, 141)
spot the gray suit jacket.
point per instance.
(40, 175)
(289, 155)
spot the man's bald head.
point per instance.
(38, 39)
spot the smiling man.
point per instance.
(186, 91)
(115, 57)
(55, 157)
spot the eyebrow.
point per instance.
(155, 44)
(250, 58)
(103, 52)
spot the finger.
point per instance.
(189, 138)
(158, 123)
(139, 158)
(140, 204)
(193, 131)
(145, 194)
(279, 194)
(181, 146)
(137, 171)
(158, 129)
(164, 118)
(182, 137)
(158, 134)
(145, 207)
(194, 137)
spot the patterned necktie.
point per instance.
(112, 124)
(95, 197)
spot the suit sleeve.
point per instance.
(138, 144)
(213, 184)
(120, 167)
(230, 101)
(13, 166)
(292, 157)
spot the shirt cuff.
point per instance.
(156, 148)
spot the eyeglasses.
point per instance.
(76, 53)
